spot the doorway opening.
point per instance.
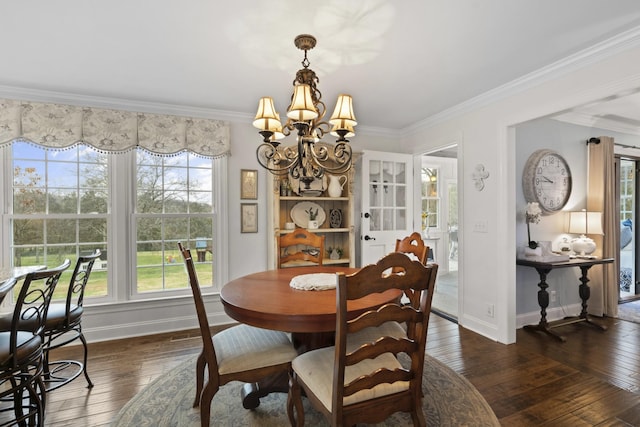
(439, 211)
(628, 189)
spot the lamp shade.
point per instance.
(302, 108)
(267, 118)
(585, 222)
(343, 115)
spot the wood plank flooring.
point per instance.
(593, 379)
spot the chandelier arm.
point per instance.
(270, 157)
(342, 155)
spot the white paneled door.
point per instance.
(387, 203)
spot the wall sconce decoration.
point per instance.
(479, 175)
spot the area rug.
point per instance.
(449, 400)
(629, 311)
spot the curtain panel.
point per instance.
(59, 126)
(601, 194)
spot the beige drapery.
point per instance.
(601, 198)
(59, 126)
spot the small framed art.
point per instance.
(249, 184)
(248, 217)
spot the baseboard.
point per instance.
(555, 313)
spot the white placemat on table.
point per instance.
(314, 281)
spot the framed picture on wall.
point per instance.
(248, 184)
(248, 217)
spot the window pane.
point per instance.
(63, 201)
(46, 188)
(28, 232)
(60, 231)
(401, 175)
(62, 175)
(174, 203)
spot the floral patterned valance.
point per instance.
(59, 126)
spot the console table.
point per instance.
(543, 269)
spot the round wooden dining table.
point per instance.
(266, 300)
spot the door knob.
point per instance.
(366, 215)
(369, 238)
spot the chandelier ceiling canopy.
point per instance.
(310, 158)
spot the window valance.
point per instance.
(59, 126)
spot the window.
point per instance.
(174, 202)
(430, 198)
(59, 209)
(133, 206)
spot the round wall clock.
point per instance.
(546, 179)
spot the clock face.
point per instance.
(546, 179)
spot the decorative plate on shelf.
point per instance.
(300, 214)
(335, 218)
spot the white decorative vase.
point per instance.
(312, 225)
(335, 185)
(334, 254)
(583, 245)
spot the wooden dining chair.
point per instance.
(367, 382)
(21, 347)
(64, 325)
(308, 247)
(413, 244)
(239, 353)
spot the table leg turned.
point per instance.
(585, 293)
(543, 301)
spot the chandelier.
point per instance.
(311, 157)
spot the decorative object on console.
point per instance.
(309, 159)
(532, 215)
(584, 223)
(546, 179)
(542, 253)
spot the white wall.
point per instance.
(486, 135)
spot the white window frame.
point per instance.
(121, 238)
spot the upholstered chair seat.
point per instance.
(244, 348)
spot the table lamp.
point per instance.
(584, 223)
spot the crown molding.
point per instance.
(590, 121)
(602, 50)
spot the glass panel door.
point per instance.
(628, 189)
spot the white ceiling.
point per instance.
(403, 61)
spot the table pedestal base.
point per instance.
(252, 392)
(303, 342)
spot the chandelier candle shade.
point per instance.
(310, 158)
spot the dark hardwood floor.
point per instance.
(593, 379)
